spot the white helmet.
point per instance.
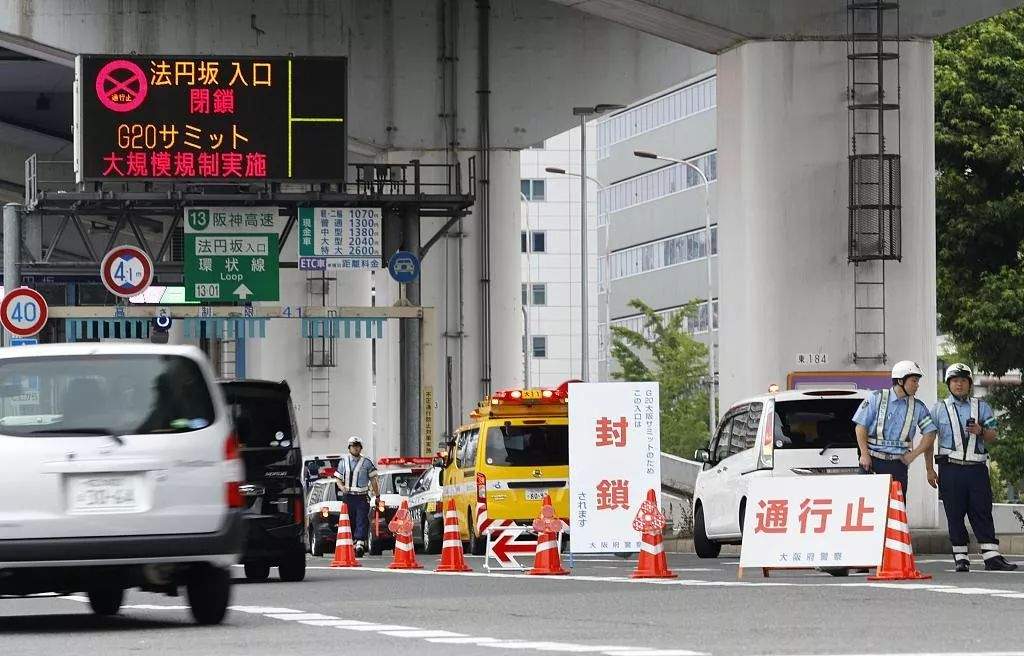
(905, 368)
(355, 440)
(959, 370)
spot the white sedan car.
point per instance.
(793, 433)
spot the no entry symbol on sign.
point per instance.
(121, 85)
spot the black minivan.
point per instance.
(264, 420)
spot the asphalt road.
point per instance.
(597, 609)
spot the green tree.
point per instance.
(679, 364)
(979, 152)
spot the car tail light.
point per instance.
(297, 514)
(481, 488)
(234, 463)
(324, 512)
(767, 457)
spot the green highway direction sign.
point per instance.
(231, 254)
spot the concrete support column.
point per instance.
(352, 375)
(410, 339)
(12, 245)
(786, 286)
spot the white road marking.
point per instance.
(295, 617)
(424, 633)
(262, 610)
(449, 637)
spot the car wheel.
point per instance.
(374, 546)
(293, 567)
(430, 545)
(257, 571)
(477, 543)
(704, 547)
(106, 601)
(209, 592)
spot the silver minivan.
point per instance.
(126, 474)
(792, 433)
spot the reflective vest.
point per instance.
(878, 439)
(964, 450)
(349, 473)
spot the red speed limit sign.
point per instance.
(126, 271)
(23, 312)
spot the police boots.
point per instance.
(361, 549)
(999, 564)
(962, 566)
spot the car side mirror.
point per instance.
(702, 455)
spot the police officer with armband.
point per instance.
(357, 475)
(966, 426)
(886, 423)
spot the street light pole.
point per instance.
(527, 345)
(712, 418)
(583, 113)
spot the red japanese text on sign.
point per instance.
(612, 494)
(611, 433)
(773, 516)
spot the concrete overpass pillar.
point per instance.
(786, 286)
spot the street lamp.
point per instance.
(583, 113)
(527, 344)
(707, 248)
(561, 171)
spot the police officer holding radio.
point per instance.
(357, 475)
(966, 426)
(886, 424)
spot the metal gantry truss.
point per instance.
(150, 213)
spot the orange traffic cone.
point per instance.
(452, 558)
(401, 528)
(651, 522)
(547, 561)
(897, 554)
(344, 553)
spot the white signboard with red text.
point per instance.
(815, 521)
(614, 458)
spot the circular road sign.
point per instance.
(126, 271)
(404, 267)
(23, 312)
(121, 85)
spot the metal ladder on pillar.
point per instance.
(320, 361)
(869, 311)
(873, 90)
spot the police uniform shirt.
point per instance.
(895, 418)
(355, 473)
(946, 441)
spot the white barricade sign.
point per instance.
(614, 458)
(815, 521)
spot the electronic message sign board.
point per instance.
(210, 118)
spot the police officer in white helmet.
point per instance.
(887, 422)
(357, 475)
(966, 428)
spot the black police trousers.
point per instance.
(895, 468)
(965, 490)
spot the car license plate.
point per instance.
(535, 494)
(102, 493)
(532, 394)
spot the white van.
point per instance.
(119, 469)
(794, 433)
